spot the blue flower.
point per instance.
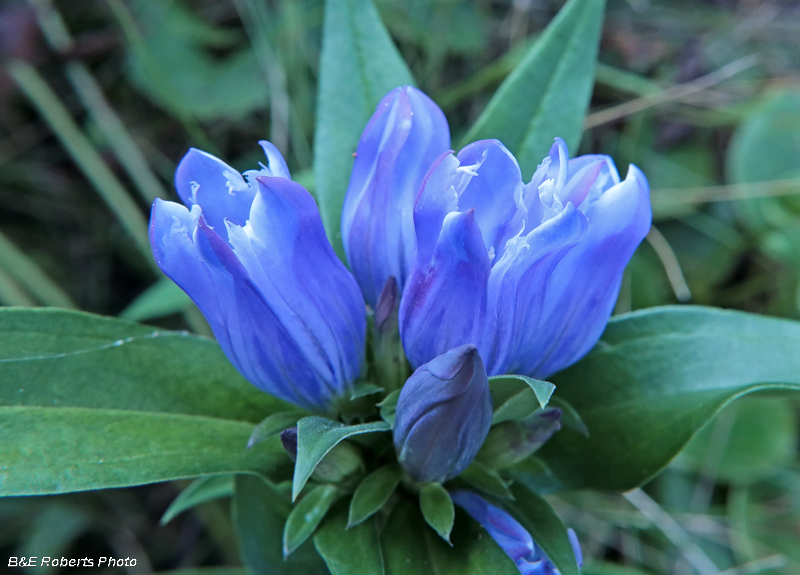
(512, 537)
(405, 135)
(252, 253)
(529, 273)
(443, 416)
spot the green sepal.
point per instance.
(316, 436)
(373, 493)
(201, 490)
(437, 509)
(388, 407)
(273, 425)
(307, 515)
(364, 388)
(487, 480)
(517, 397)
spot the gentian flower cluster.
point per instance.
(471, 272)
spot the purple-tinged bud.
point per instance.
(512, 537)
(391, 366)
(289, 442)
(443, 415)
(513, 441)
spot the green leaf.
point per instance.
(537, 516)
(349, 550)
(55, 358)
(412, 548)
(602, 568)
(548, 93)
(259, 514)
(751, 440)
(273, 425)
(359, 64)
(487, 480)
(516, 397)
(373, 493)
(63, 449)
(570, 418)
(200, 491)
(653, 381)
(364, 388)
(162, 298)
(389, 406)
(437, 509)
(306, 516)
(207, 571)
(316, 436)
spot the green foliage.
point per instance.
(273, 425)
(359, 64)
(347, 549)
(548, 92)
(316, 436)
(516, 397)
(201, 490)
(655, 379)
(437, 509)
(306, 516)
(486, 480)
(162, 298)
(373, 493)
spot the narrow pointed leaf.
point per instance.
(388, 407)
(200, 491)
(653, 381)
(537, 516)
(306, 516)
(548, 92)
(437, 509)
(316, 436)
(359, 64)
(349, 551)
(273, 425)
(162, 298)
(373, 493)
(259, 514)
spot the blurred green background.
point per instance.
(99, 99)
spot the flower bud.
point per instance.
(513, 441)
(443, 415)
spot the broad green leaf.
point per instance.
(516, 397)
(273, 425)
(359, 64)
(306, 516)
(349, 550)
(410, 547)
(373, 493)
(548, 92)
(259, 514)
(653, 381)
(537, 516)
(63, 449)
(437, 509)
(485, 479)
(570, 418)
(200, 491)
(56, 358)
(316, 436)
(162, 298)
(750, 440)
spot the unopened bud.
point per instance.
(513, 441)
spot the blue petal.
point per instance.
(288, 259)
(518, 286)
(444, 303)
(495, 191)
(223, 194)
(584, 285)
(404, 136)
(443, 416)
